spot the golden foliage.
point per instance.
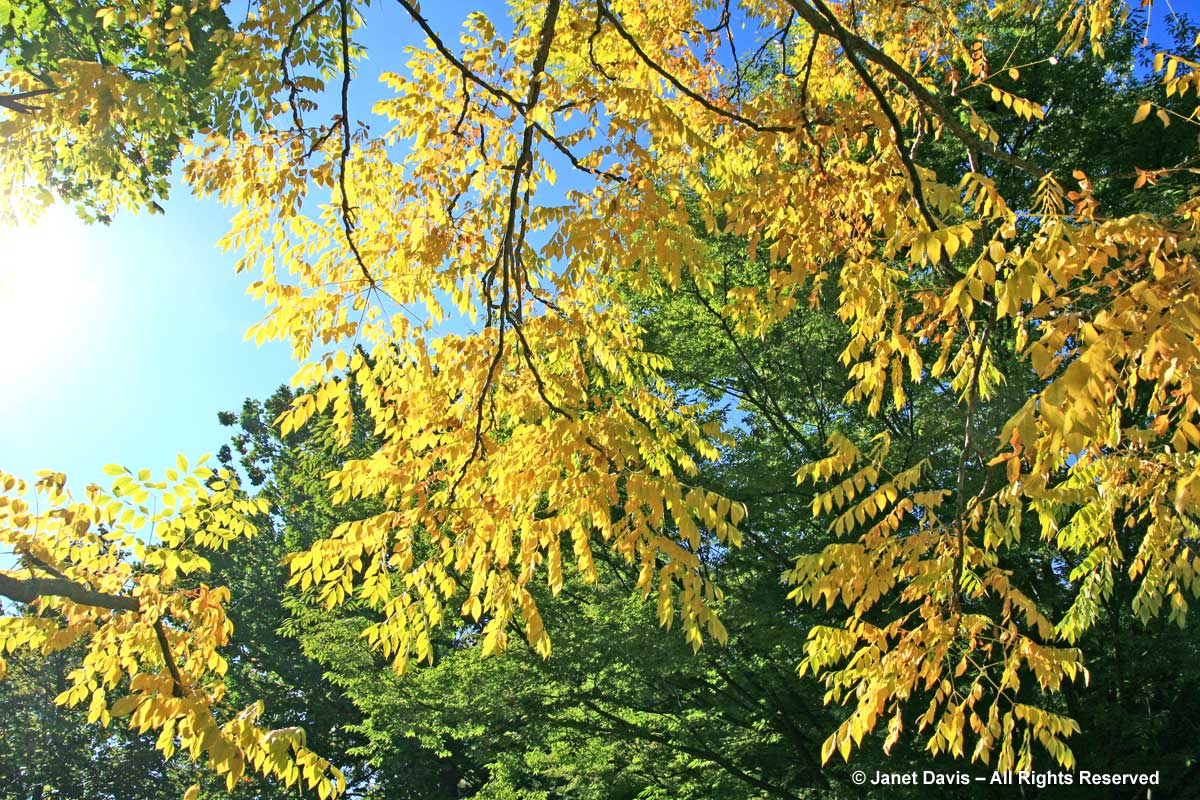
(119, 575)
(548, 431)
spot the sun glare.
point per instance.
(48, 298)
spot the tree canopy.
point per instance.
(709, 264)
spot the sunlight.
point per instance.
(48, 300)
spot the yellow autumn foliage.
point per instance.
(548, 431)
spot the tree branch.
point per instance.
(607, 14)
(823, 20)
(28, 590)
(160, 633)
(510, 244)
(347, 221)
(12, 101)
(467, 72)
(727, 764)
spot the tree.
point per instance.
(50, 751)
(102, 99)
(619, 711)
(551, 432)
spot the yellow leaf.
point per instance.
(125, 705)
(828, 748)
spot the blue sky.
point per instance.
(127, 341)
(122, 342)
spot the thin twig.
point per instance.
(510, 243)
(824, 21)
(285, 62)
(463, 69)
(967, 450)
(677, 84)
(898, 138)
(346, 212)
(575, 162)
